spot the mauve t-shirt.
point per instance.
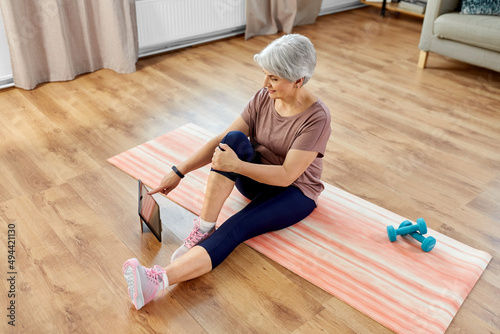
(273, 135)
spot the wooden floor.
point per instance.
(421, 143)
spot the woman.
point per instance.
(272, 153)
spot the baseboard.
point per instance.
(6, 81)
(179, 44)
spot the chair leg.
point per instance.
(422, 59)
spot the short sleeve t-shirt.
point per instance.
(273, 135)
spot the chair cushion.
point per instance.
(478, 30)
(481, 7)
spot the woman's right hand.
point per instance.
(167, 184)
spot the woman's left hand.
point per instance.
(225, 160)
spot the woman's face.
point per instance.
(278, 88)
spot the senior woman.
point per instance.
(273, 154)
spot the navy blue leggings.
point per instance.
(271, 208)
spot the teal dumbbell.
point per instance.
(427, 243)
(406, 227)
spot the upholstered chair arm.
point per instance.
(433, 10)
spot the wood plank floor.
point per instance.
(421, 143)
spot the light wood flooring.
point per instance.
(421, 143)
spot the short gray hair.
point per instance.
(291, 56)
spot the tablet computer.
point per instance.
(149, 211)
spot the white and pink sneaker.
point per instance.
(200, 232)
(143, 283)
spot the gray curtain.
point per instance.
(266, 17)
(55, 40)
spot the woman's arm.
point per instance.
(199, 159)
(296, 162)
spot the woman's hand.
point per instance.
(225, 159)
(167, 184)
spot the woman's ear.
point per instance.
(299, 83)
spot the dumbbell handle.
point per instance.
(407, 229)
(417, 236)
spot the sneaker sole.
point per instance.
(134, 286)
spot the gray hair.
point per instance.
(291, 57)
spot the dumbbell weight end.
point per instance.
(391, 232)
(427, 243)
(422, 226)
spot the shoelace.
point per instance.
(194, 237)
(154, 275)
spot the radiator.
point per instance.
(335, 6)
(165, 25)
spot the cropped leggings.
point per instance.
(271, 208)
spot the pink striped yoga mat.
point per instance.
(342, 247)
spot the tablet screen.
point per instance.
(149, 211)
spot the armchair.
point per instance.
(473, 39)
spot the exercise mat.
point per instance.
(342, 247)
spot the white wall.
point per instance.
(5, 67)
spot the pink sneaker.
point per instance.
(143, 282)
(195, 237)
